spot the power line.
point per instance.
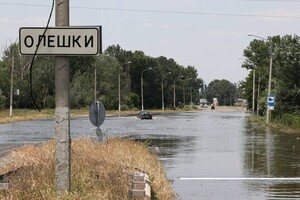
(297, 1)
(33, 58)
(164, 11)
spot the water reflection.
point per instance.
(272, 154)
(166, 146)
(199, 144)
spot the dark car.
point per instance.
(144, 115)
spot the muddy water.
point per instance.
(207, 155)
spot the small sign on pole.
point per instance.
(271, 102)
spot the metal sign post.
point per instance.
(97, 117)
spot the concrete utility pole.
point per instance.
(119, 88)
(253, 92)
(11, 85)
(62, 111)
(269, 84)
(162, 96)
(95, 91)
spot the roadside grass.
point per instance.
(24, 115)
(99, 171)
(289, 120)
(287, 123)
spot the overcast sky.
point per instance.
(207, 34)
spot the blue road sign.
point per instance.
(271, 102)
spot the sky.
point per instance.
(207, 34)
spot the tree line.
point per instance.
(285, 82)
(96, 77)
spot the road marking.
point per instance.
(238, 179)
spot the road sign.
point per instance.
(97, 113)
(60, 40)
(271, 102)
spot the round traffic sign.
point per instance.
(97, 113)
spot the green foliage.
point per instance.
(289, 120)
(4, 83)
(81, 91)
(2, 99)
(223, 90)
(101, 72)
(125, 107)
(134, 100)
(285, 83)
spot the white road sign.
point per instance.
(60, 40)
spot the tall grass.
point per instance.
(99, 171)
(289, 120)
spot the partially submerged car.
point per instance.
(144, 115)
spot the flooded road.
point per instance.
(207, 154)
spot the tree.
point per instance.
(4, 83)
(287, 75)
(107, 67)
(286, 72)
(223, 90)
(2, 99)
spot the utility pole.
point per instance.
(95, 91)
(11, 85)
(162, 96)
(62, 110)
(269, 84)
(119, 88)
(258, 91)
(253, 92)
(191, 96)
(183, 88)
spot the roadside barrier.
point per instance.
(140, 186)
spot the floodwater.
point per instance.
(207, 154)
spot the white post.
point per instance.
(258, 93)
(11, 86)
(119, 80)
(142, 91)
(162, 96)
(253, 93)
(174, 96)
(95, 84)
